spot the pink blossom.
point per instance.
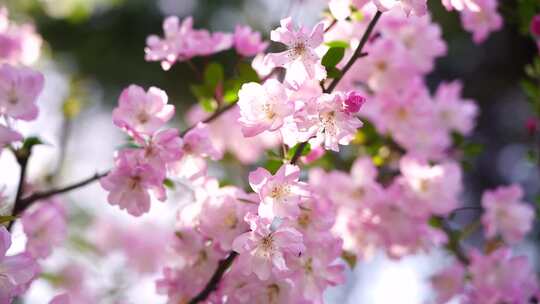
(247, 42)
(16, 271)
(420, 39)
(19, 44)
(430, 189)
(535, 26)
(242, 289)
(326, 122)
(300, 58)
(61, 299)
(182, 42)
(45, 227)
(197, 146)
(483, 21)
(280, 193)
(223, 219)
(129, 182)
(8, 136)
(416, 7)
(263, 107)
(461, 5)
(454, 112)
(140, 112)
(353, 102)
(506, 214)
(448, 282)
(263, 250)
(163, 148)
(19, 90)
(501, 278)
(315, 270)
(246, 149)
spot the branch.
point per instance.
(212, 284)
(357, 54)
(26, 202)
(212, 117)
(22, 155)
(454, 244)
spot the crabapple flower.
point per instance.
(45, 226)
(416, 7)
(353, 102)
(140, 112)
(242, 289)
(300, 58)
(19, 44)
(61, 299)
(164, 147)
(182, 42)
(448, 283)
(223, 219)
(8, 136)
(455, 113)
(316, 269)
(430, 189)
(535, 26)
(483, 21)
(263, 107)
(196, 146)
(16, 271)
(501, 278)
(328, 123)
(130, 181)
(461, 5)
(280, 194)
(506, 215)
(247, 42)
(263, 251)
(19, 90)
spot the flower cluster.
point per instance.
(480, 17)
(19, 43)
(182, 42)
(143, 168)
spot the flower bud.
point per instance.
(535, 26)
(353, 102)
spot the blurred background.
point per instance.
(94, 48)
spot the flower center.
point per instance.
(143, 117)
(231, 221)
(273, 293)
(298, 49)
(269, 111)
(280, 191)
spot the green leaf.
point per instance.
(209, 104)
(31, 141)
(338, 44)
(246, 73)
(473, 149)
(349, 258)
(273, 165)
(435, 222)
(333, 56)
(213, 75)
(6, 218)
(167, 182)
(333, 72)
(292, 151)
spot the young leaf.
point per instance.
(333, 56)
(213, 74)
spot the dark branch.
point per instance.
(212, 117)
(357, 54)
(215, 279)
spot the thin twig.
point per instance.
(212, 117)
(357, 54)
(213, 283)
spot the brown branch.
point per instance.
(357, 54)
(213, 283)
(22, 204)
(212, 117)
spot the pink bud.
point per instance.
(535, 26)
(313, 155)
(532, 125)
(353, 102)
